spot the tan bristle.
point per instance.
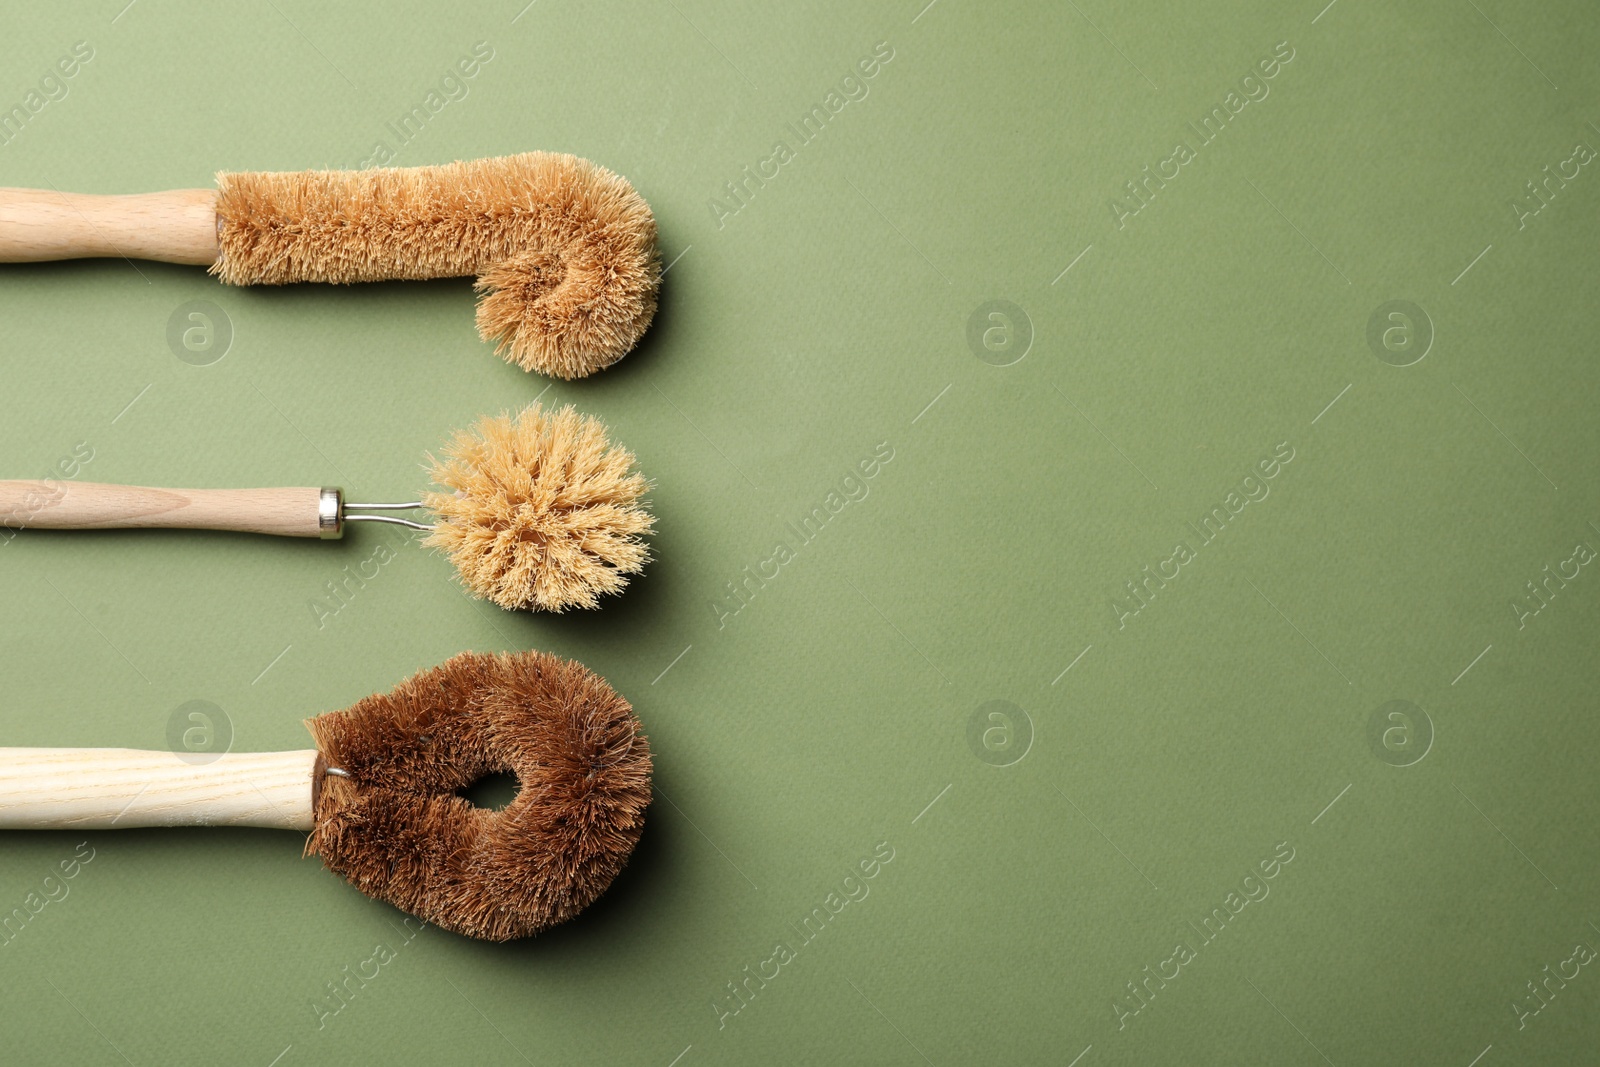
(393, 824)
(540, 510)
(565, 250)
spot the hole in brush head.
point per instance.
(493, 791)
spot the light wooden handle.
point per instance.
(179, 226)
(52, 505)
(105, 788)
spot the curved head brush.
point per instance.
(537, 510)
(379, 792)
(564, 250)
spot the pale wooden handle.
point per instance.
(179, 226)
(105, 788)
(53, 505)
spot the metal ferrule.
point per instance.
(330, 513)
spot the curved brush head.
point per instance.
(564, 250)
(540, 510)
(393, 825)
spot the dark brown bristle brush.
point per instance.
(563, 249)
(537, 511)
(379, 793)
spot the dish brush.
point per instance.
(537, 511)
(563, 249)
(379, 793)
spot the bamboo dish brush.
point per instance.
(537, 510)
(379, 793)
(563, 249)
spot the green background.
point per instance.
(1034, 878)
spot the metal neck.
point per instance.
(333, 512)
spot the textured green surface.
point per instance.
(832, 715)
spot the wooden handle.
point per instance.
(52, 505)
(179, 226)
(105, 788)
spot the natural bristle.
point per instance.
(393, 825)
(540, 510)
(564, 250)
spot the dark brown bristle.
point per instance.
(396, 829)
(564, 250)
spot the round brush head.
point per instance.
(539, 510)
(393, 825)
(564, 250)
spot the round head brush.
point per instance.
(564, 250)
(379, 792)
(536, 511)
